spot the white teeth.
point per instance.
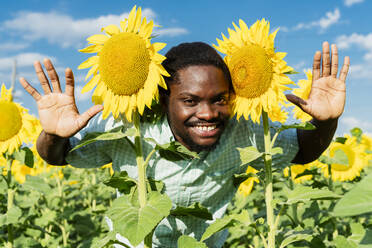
(205, 128)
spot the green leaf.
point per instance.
(25, 156)
(303, 193)
(303, 126)
(356, 132)
(366, 242)
(357, 232)
(173, 151)
(291, 72)
(249, 154)
(188, 242)
(239, 178)
(47, 217)
(357, 201)
(225, 222)
(111, 236)
(121, 181)
(36, 183)
(276, 150)
(13, 215)
(294, 238)
(342, 242)
(155, 185)
(114, 134)
(341, 140)
(136, 223)
(195, 210)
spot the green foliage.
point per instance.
(195, 210)
(49, 211)
(357, 201)
(134, 222)
(249, 154)
(25, 156)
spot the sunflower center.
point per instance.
(124, 63)
(10, 120)
(251, 71)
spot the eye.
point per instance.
(221, 100)
(189, 101)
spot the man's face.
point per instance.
(197, 107)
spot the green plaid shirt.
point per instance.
(208, 180)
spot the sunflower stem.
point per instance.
(141, 165)
(330, 182)
(11, 192)
(268, 181)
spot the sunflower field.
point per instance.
(326, 203)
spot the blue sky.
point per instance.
(32, 30)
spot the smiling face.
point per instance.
(197, 106)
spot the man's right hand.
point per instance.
(57, 110)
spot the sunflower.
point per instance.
(303, 92)
(366, 141)
(257, 71)
(127, 68)
(16, 125)
(351, 160)
(298, 169)
(245, 188)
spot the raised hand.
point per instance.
(57, 110)
(327, 96)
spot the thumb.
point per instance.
(87, 115)
(298, 101)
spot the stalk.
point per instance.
(293, 206)
(10, 199)
(268, 181)
(142, 189)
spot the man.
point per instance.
(197, 115)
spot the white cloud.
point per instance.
(348, 3)
(23, 60)
(10, 46)
(323, 23)
(350, 122)
(82, 96)
(66, 31)
(364, 42)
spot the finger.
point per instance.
(326, 65)
(42, 78)
(53, 76)
(31, 90)
(69, 82)
(298, 101)
(87, 115)
(334, 68)
(345, 69)
(316, 65)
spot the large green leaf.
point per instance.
(114, 134)
(224, 222)
(109, 238)
(249, 154)
(356, 201)
(13, 215)
(136, 223)
(189, 242)
(294, 238)
(121, 181)
(25, 156)
(195, 210)
(342, 242)
(303, 193)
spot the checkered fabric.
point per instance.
(207, 180)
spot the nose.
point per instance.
(207, 112)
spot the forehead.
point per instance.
(200, 78)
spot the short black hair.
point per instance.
(188, 54)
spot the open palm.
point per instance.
(327, 96)
(57, 110)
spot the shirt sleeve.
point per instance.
(96, 154)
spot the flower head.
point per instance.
(127, 68)
(16, 125)
(303, 92)
(257, 71)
